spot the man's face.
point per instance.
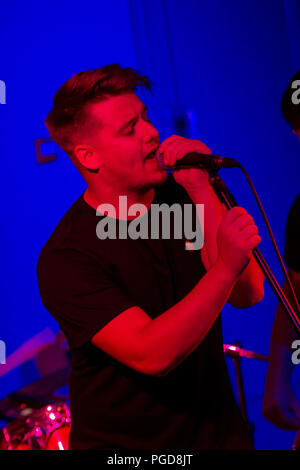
(123, 143)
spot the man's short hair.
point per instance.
(69, 120)
(290, 109)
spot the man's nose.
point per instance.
(151, 133)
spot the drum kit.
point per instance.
(37, 416)
(46, 428)
(34, 424)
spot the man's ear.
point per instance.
(87, 156)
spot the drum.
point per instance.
(44, 429)
(58, 428)
(59, 439)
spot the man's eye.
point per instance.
(130, 131)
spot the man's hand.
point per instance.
(232, 244)
(173, 149)
(237, 236)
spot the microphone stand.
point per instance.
(227, 198)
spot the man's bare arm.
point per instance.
(249, 289)
(156, 346)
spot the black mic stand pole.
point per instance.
(227, 198)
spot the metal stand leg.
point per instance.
(240, 386)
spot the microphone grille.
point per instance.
(160, 160)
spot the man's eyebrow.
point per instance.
(135, 118)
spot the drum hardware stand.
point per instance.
(235, 351)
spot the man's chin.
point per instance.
(151, 180)
(160, 179)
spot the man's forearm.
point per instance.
(248, 289)
(213, 215)
(172, 336)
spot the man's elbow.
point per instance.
(250, 297)
(159, 365)
(256, 296)
(154, 369)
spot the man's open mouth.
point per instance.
(151, 155)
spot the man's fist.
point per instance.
(173, 149)
(237, 236)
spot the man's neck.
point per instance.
(94, 197)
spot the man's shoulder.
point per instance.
(70, 250)
(73, 230)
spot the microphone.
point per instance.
(199, 160)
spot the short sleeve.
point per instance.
(292, 237)
(80, 293)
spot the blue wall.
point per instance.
(228, 62)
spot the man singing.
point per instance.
(142, 316)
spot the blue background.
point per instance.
(223, 63)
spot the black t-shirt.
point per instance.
(84, 283)
(292, 237)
